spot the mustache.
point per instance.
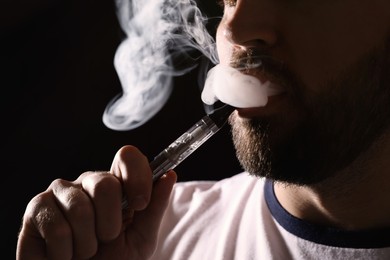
(262, 64)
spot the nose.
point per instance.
(251, 24)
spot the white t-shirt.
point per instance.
(240, 218)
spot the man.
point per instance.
(320, 149)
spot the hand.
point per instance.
(84, 219)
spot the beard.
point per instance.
(326, 132)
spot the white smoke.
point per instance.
(239, 90)
(158, 32)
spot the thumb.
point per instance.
(147, 222)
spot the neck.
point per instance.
(356, 198)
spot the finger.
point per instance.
(78, 210)
(105, 191)
(147, 222)
(45, 233)
(133, 169)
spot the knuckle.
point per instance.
(80, 211)
(72, 200)
(57, 183)
(34, 206)
(79, 207)
(106, 185)
(46, 217)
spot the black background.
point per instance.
(57, 77)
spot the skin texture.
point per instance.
(325, 141)
(84, 219)
(312, 49)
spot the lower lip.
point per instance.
(273, 106)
